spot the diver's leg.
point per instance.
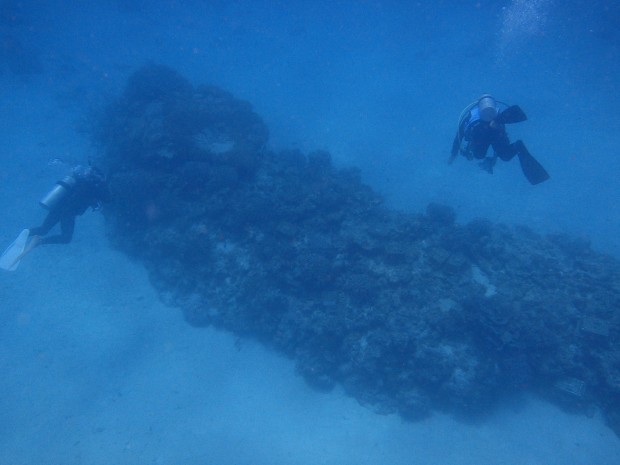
(478, 149)
(67, 225)
(456, 147)
(503, 148)
(36, 234)
(50, 220)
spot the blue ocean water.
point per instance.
(380, 84)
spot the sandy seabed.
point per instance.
(96, 370)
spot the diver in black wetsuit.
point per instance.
(482, 125)
(83, 187)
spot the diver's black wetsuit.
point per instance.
(89, 191)
(480, 135)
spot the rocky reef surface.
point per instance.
(409, 312)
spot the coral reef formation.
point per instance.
(409, 312)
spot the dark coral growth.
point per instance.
(407, 312)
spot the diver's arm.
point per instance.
(456, 145)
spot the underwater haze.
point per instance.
(98, 369)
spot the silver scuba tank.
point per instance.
(58, 193)
(487, 108)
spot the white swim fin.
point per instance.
(9, 260)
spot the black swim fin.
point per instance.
(510, 115)
(533, 171)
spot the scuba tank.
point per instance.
(487, 108)
(59, 192)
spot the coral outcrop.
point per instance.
(409, 312)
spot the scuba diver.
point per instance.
(83, 187)
(482, 124)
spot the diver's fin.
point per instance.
(533, 171)
(11, 257)
(512, 114)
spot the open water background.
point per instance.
(96, 370)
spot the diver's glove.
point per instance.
(487, 164)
